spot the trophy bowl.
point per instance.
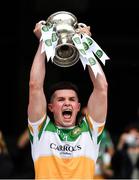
(65, 25)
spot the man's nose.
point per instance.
(67, 102)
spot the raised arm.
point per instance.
(97, 104)
(37, 101)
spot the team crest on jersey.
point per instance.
(75, 132)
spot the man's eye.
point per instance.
(72, 99)
(60, 99)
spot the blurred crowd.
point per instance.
(15, 157)
(119, 160)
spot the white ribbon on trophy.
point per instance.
(95, 48)
(87, 47)
(49, 38)
(86, 55)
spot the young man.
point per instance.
(61, 147)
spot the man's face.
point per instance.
(64, 106)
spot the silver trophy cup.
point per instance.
(65, 25)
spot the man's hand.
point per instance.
(37, 29)
(82, 30)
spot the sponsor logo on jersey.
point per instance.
(65, 148)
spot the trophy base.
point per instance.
(66, 55)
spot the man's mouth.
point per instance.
(67, 113)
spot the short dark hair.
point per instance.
(62, 85)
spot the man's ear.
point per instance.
(50, 107)
(79, 106)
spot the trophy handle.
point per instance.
(42, 22)
(81, 25)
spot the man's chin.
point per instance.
(68, 123)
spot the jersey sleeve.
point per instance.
(36, 128)
(96, 129)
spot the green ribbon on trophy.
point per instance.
(89, 50)
(49, 38)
